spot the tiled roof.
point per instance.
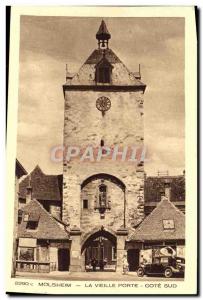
(97, 55)
(44, 187)
(121, 76)
(151, 229)
(20, 171)
(154, 185)
(48, 227)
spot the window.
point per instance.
(20, 216)
(102, 195)
(168, 224)
(26, 254)
(22, 201)
(164, 259)
(32, 225)
(85, 204)
(156, 260)
(103, 71)
(26, 216)
(104, 75)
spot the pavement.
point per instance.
(92, 276)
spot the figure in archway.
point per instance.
(99, 250)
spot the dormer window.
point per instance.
(168, 224)
(103, 71)
(32, 225)
(33, 221)
(103, 75)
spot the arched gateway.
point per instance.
(99, 249)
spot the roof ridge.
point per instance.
(35, 168)
(107, 52)
(176, 208)
(151, 214)
(50, 216)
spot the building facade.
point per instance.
(43, 241)
(102, 196)
(163, 227)
(103, 205)
(154, 187)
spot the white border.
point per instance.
(190, 87)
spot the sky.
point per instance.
(47, 44)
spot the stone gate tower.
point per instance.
(103, 130)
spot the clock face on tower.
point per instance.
(103, 104)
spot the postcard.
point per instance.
(101, 152)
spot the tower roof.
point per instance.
(103, 33)
(121, 77)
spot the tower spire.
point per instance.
(103, 36)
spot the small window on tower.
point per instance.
(85, 204)
(103, 71)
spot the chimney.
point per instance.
(29, 191)
(167, 186)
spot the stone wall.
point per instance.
(84, 125)
(55, 210)
(113, 217)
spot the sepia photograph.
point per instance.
(100, 164)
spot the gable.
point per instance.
(120, 76)
(152, 228)
(97, 55)
(48, 227)
(104, 63)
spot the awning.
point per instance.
(27, 242)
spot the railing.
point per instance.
(35, 266)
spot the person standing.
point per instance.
(125, 265)
(94, 264)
